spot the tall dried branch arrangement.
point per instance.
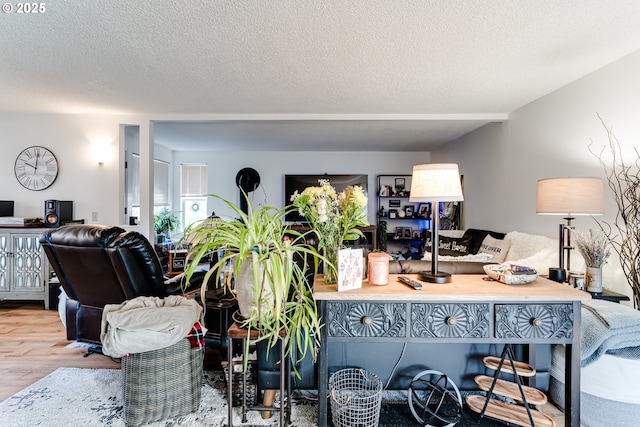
(624, 233)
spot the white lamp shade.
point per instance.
(570, 196)
(437, 182)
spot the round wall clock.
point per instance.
(36, 168)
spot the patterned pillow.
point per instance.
(450, 246)
(496, 247)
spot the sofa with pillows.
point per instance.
(467, 251)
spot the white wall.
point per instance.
(274, 165)
(92, 187)
(549, 137)
(95, 188)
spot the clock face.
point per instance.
(36, 168)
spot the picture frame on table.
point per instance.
(408, 211)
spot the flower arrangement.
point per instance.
(593, 247)
(334, 217)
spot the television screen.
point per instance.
(293, 183)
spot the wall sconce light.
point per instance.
(568, 197)
(101, 150)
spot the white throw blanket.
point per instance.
(146, 324)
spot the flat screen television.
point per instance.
(293, 183)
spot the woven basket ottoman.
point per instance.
(162, 384)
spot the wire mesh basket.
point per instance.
(355, 398)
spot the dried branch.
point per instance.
(624, 233)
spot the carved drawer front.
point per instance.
(450, 320)
(534, 321)
(366, 319)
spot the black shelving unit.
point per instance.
(399, 214)
(405, 220)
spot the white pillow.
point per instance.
(524, 245)
(496, 247)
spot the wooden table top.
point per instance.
(463, 287)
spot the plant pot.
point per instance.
(246, 290)
(594, 279)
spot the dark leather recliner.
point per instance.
(99, 265)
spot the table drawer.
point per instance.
(366, 319)
(533, 321)
(449, 320)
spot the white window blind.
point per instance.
(193, 191)
(193, 179)
(161, 174)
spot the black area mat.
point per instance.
(399, 415)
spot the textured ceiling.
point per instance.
(324, 69)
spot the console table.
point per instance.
(469, 309)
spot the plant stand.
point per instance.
(520, 414)
(235, 332)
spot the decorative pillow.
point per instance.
(497, 247)
(450, 246)
(461, 258)
(477, 236)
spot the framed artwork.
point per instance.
(393, 213)
(424, 210)
(408, 211)
(399, 184)
(407, 232)
(394, 203)
(415, 235)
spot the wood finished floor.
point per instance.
(33, 344)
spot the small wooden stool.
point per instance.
(235, 332)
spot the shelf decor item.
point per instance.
(594, 248)
(334, 217)
(435, 183)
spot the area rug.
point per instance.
(74, 396)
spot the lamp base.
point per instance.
(558, 275)
(439, 277)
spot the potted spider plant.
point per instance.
(268, 263)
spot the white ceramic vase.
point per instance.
(594, 279)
